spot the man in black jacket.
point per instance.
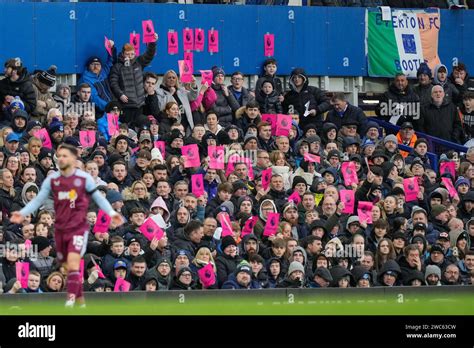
(343, 111)
(126, 81)
(310, 102)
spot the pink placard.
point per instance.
(87, 138)
(112, 124)
(349, 173)
(364, 211)
(348, 198)
(189, 57)
(207, 276)
(266, 178)
(81, 269)
(172, 42)
(450, 187)
(206, 77)
(197, 185)
(213, 41)
(448, 167)
(224, 220)
(248, 162)
(188, 39)
(199, 39)
(309, 157)
(150, 229)
(44, 136)
(107, 45)
(160, 145)
(411, 188)
(295, 198)
(269, 45)
(271, 227)
(135, 42)
(249, 226)
(148, 31)
(27, 244)
(272, 120)
(185, 73)
(103, 222)
(22, 273)
(99, 271)
(216, 156)
(121, 285)
(191, 156)
(283, 125)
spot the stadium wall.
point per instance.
(327, 41)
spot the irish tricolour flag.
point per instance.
(401, 42)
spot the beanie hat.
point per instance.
(226, 241)
(72, 141)
(249, 137)
(424, 69)
(387, 168)
(48, 77)
(41, 242)
(93, 59)
(352, 219)
(17, 103)
(348, 141)
(295, 266)
(32, 188)
(298, 180)
(44, 152)
(416, 209)
(437, 209)
(227, 207)
(461, 181)
(421, 140)
(216, 71)
(113, 196)
(56, 126)
(432, 269)
(182, 270)
(367, 143)
(390, 137)
(243, 267)
(21, 113)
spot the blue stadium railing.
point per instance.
(436, 146)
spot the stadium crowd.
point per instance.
(317, 240)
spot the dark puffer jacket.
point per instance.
(225, 106)
(23, 88)
(128, 80)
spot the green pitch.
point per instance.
(415, 304)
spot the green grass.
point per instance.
(304, 305)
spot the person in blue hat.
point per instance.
(11, 145)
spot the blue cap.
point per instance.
(120, 264)
(13, 137)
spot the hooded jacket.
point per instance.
(21, 200)
(260, 225)
(308, 94)
(390, 265)
(22, 88)
(272, 282)
(131, 201)
(269, 103)
(462, 212)
(432, 269)
(226, 265)
(160, 203)
(128, 80)
(451, 92)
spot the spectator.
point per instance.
(423, 88)
(461, 80)
(451, 94)
(343, 111)
(241, 94)
(225, 105)
(42, 82)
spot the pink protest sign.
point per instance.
(349, 173)
(107, 45)
(364, 211)
(348, 198)
(81, 269)
(27, 244)
(269, 45)
(189, 57)
(185, 74)
(224, 220)
(121, 285)
(199, 39)
(160, 145)
(249, 225)
(448, 167)
(135, 150)
(216, 156)
(411, 188)
(197, 185)
(266, 177)
(206, 77)
(103, 222)
(112, 124)
(43, 135)
(135, 42)
(283, 125)
(172, 42)
(99, 271)
(450, 187)
(271, 227)
(87, 138)
(213, 41)
(295, 198)
(188, 39)
(272, 119)
(148, 31)
(191, 156)
(309, 157)
(207, 276)
(22, 273)
(248, 162)
(151, 230)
